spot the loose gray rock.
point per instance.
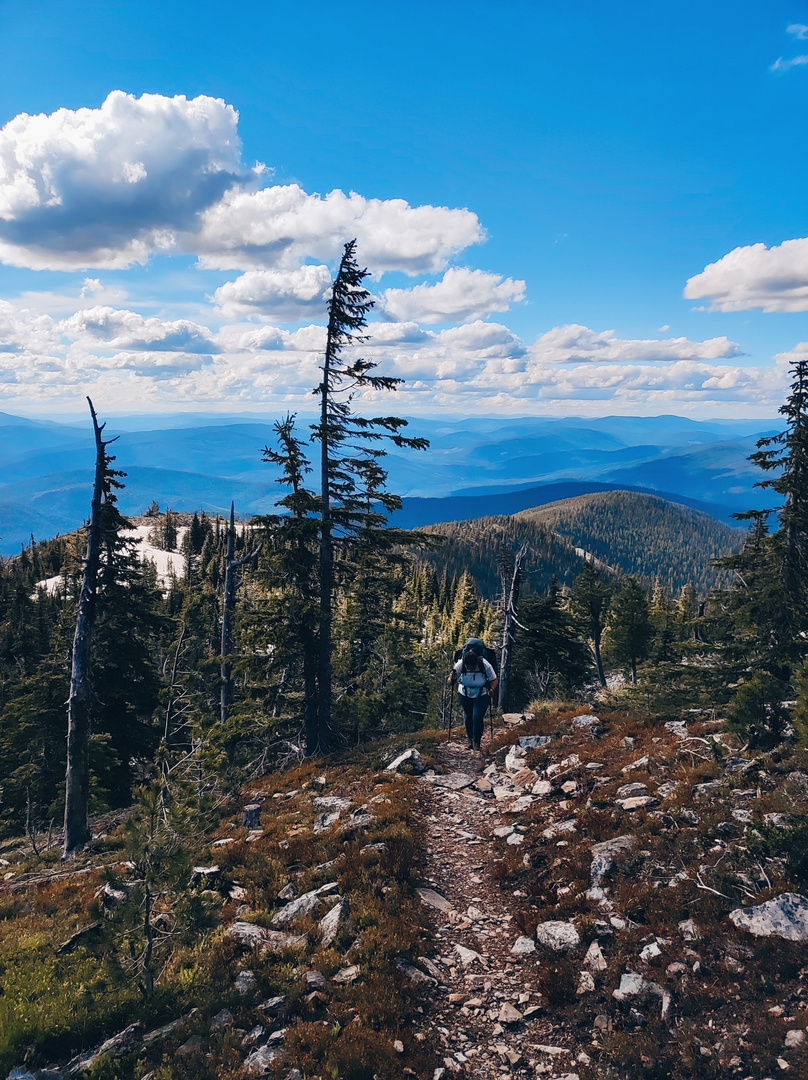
(637, 803)
(587, 722)
(785, 916)
(532, 742)
(523, 945)
(123, 1043)
(304, 905)
(221, 1020)
(594, 958)
(246, 983)
(261, 1061)
(435, 900)
(414, 974)
(794, 1038)
(455, 781)
(603, 856)
(249, 935)
(634, 987)
(324, 821)
(346, 974)
(509, 1015)
(316, 980)
(332, 802)
(157, 1035)
(677, 728)
(330, 923)
(640, 763)
(515, 759)
(636, 787)
(80, 937)
(558, 936)
(409, 762)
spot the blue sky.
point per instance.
(536, 184)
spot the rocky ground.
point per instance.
(593, 896)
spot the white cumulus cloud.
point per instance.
(108, 187)
(786, 65)
(798, 31)
(116, 328)
(281, 225)
(287, 295)
(461, 295)
(756, 276)
(580, 344)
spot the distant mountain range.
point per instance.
(474, 467)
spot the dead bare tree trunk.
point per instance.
(228, 607)
(511, 606)
(77, 779)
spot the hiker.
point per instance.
(476, 679)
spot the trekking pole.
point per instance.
(491, 714)
(451, 714)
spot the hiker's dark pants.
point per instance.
(475, 710)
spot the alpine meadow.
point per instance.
(403, 542)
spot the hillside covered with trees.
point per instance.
(642, 535)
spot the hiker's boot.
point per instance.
(477, 746)
(469, 744)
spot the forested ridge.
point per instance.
(645, 536)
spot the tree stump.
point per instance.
(252, 815)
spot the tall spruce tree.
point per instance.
(354, 501)
(589, 603)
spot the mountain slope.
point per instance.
(641, 535)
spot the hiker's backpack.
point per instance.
(480, 649)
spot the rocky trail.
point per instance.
(490, 1018)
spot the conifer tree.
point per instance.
(353, 496)
(629, 629)
(589, 603)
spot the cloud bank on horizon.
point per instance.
(116, 187)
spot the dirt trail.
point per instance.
(488, 1013)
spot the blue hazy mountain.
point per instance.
(474, 466)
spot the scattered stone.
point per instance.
(744, 816)
(525, 778)
(125, 1042)
(250, 935)
(324, 821)
(586, 984)
(411, 972)
(330, 923)
(677, 728)
(261, 1061)
(398, 1046)
(779, 821)
(558, 936)
(650, 952)
(689, 816)
(587, 722)
(157, 1035)
(785, 916)
(346, 974)
(194, 1045)
(515, 759)
(640, 763)
(668, 788)
(518, 806)
(287, 893)
(689, 930)
(79, 938)
(509, 1015)
(794, 1038)
(455, 781)
(204, 875)
(410, 762)
(503, 831)
(246, 983)
(532, 742)
(594, 958)
(542, 788)
(637, 803)
(702, 791)
(467, 956)
(636, 787)
(603, 856)
(435, 900)
(303, 905)
(274, 1006)
(523, 945)
(634, 987)
(222, 1020)
(318, 783)
(332, 802)
(252, 815)
(515, 839)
